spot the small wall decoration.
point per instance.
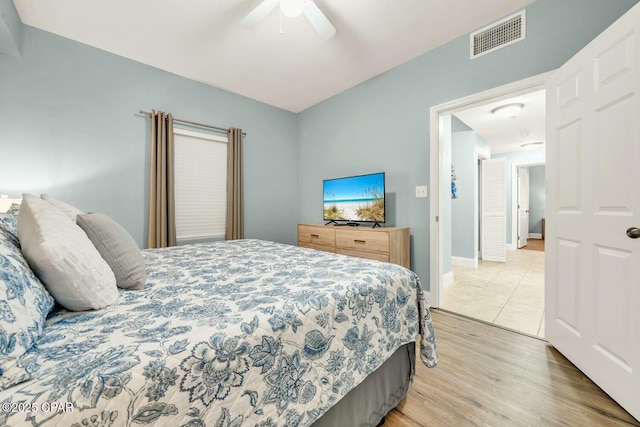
(454, 190)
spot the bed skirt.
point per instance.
(368, 403)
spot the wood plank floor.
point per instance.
(534, 245)
(488, 376)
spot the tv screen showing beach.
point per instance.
(356, 198)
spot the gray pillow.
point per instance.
(117, 247)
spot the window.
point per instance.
(200, 185)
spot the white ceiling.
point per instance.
(202, 39)
(506, 134)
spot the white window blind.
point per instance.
(200, 185)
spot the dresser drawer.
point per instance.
(367, 255)
(323, 236)
(363, 241)
(317, 247)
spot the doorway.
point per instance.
(528, 203)
(592, 259)
(511, 293)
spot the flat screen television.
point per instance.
(355, 199)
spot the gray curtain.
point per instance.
(162, 221)
(235, 191)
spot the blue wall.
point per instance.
(383, 123)
(10, 29)
(463, 216)
(68, 126)
(466, 147)
(536, 198)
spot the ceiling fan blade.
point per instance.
(259, 13)
(318, 20)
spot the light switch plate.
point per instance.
(421, 191)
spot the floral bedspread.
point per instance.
(236, 333)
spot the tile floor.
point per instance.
(508, 294)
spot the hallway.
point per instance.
(508, 294)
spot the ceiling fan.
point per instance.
(292, 9)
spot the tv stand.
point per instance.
(389, 244)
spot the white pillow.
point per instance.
(71, 211)
(63, 257)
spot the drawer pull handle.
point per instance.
(362, 242)
(315, 235)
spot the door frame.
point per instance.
(514, 199)
(478, 205)
(519, 225)
(436, 137)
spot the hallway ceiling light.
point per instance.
(532, 145)
(508, 110)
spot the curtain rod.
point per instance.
(188, 122)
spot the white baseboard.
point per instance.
(511, 247)
(464, 262)
(535, 236)
(447, 279)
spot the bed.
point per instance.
(234, 333)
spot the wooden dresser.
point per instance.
(390, 244)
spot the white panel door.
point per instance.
(494, 210)
(523, 207)
(592, 264)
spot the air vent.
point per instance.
(510, 30)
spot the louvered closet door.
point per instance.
(494, 210)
